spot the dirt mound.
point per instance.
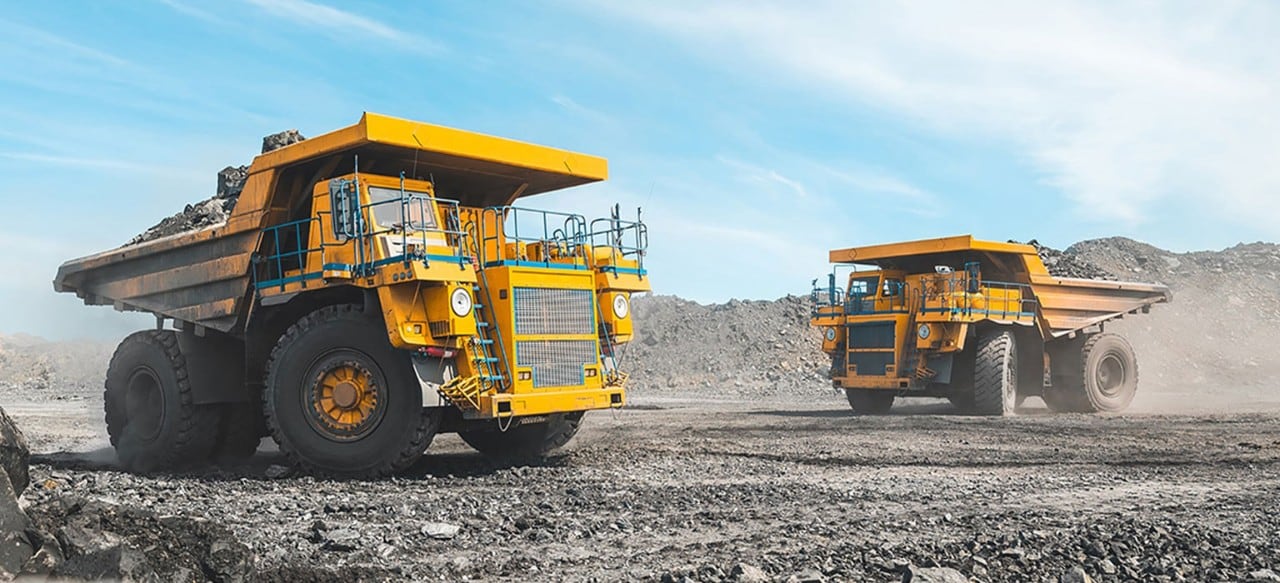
(1211, 347)
(42, 370)
(739, 347)
(215, 210)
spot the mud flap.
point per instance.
(432, 373)
(941, 365)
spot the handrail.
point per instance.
(615, 234)
(568, 239)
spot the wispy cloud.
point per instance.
(1124, 107)
(193, 11)
(345, 25)
(766, 178)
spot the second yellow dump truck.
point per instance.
(981, 323)
(373, 287)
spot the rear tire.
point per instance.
(1109, 373)
(341, 401)
(870, 401)
(151, 418)
(239, 433)
(525, 441)
(995, 382)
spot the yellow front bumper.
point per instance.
(544, 403)
(870, 382)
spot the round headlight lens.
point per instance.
(460, 302)
(620, 306)
(923, 331)
(831, 334)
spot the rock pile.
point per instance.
(739, 347)
(67, 536)
(1068, 264)
(215, 210)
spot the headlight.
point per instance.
(460, 301)
(831, 334)
(923, 331)
(620, 306)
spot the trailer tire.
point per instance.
(341, 401)
(870, 401)
(1109, 374)
(239, 432)
(995, 378)
(152, 420)
(525, 441)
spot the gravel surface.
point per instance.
(698, 490)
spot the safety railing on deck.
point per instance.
(822, 298)
(537, 237)
(965, 294)
(625, 240)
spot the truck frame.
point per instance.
(373, 287)
(981, 323)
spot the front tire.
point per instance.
(995, 381)
(870, 401)
(341, 401)
(151, 418)
(525, 441)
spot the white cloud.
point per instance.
(345, 25)
(1124, 107)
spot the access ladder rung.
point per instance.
(485, 359)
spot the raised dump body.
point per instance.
(372, 287)
(977, 322)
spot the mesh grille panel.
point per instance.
(556, 363)
(554, 311)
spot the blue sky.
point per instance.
(756, 135)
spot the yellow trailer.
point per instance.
(373, 286)
(977, 322)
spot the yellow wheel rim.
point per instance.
(346, 398)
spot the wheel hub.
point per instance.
(1110, 375)
(346, 399)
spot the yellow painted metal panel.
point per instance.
(926, 247)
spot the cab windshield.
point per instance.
(388, 213)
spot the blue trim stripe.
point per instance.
(548, 265)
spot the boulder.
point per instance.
(14, 454)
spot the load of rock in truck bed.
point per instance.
(216, 209)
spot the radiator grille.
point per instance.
(556, 363)
(554, 311)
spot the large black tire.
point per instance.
(1108, 375)
(870, 401)
(239, 433)
(151, 418)
(995, 377)
(525, 441)
(376, 428)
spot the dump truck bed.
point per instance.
(203, 276)
(1067, 304)
(1070, 304)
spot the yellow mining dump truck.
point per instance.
(373, 287)
(983, 324)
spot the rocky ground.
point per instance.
(736, 462)
(701, 490)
